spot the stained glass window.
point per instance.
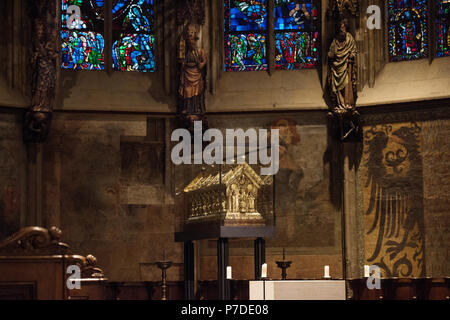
(443, 28)
(296, 34)
(408, 32)
(82, 33)
(133, 35)
(245, 35)
(133, 39)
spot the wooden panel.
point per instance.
(17, 291)
(439, 289)
(145, 290)
(91, 289)
(208, 290)
(46, 273)
(402, 289)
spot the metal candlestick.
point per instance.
(163, 265)
(283, 265)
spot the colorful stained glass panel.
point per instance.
(82, 50)
(90, 16)
(133, 16)
(245, 52)
(134, 52)
(408, 30)
(443, 28)
(245, 15)
(294, 15)
(133, 38)
(82, 42)
(296, 50)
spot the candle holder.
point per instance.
(283, 265)
(164, 265)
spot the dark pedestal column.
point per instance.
(189, 270)
(222, 263)
(260, 256)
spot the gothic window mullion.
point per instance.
(441, 28)
(271, 36)
(108, 36)
(431, 28)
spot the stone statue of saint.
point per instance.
(191, 91)
(44, 58)
(342, 82)
(342, 70)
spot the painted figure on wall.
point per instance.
(291, 171)
(302, 195)
(393, 200)
(342, 80)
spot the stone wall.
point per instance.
(13, 164)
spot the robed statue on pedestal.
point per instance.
(342, 81)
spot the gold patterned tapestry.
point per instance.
(393, 199)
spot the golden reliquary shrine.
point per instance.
(232, 195)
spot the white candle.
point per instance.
(326, 270)
(229, 273)
(264, 271)
(366, 271)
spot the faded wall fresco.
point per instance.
(405, 193)
(12, 174)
